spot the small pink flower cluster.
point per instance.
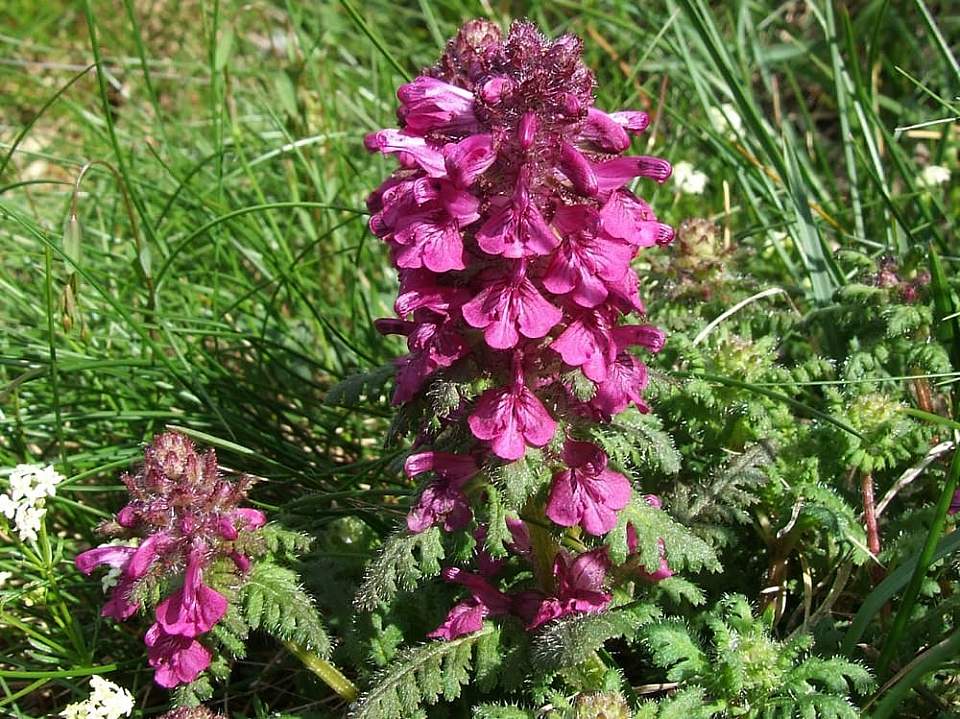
(513, 231)
(186, 516)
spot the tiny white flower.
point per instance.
(28, 520)
(77, 710)
(106, 701)
(21, 481)
(934, 175)
(8, 507)
(726, 120)
(688, 180)
(46, 481)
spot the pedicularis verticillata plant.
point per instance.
(205, 565)
(512, 229)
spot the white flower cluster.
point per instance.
(934, 175)
(687, 179)
(106, 701)
(24, 503)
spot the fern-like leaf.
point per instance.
(405, 560)
(420, 676)
(573, 640)
(274, 601)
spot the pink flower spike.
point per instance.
(176, 659)
(194, 608)
(587, 493)
(511, 418)
(510, 306)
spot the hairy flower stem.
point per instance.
(328, 673)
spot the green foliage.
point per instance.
(494, 711)
(731, 656)
(274, 601)
(653, 526)
(404, 561)
(573, 640)
(420, 675)
(361, 387)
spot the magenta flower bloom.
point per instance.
(510, 306)
(194, 608)
(512, 418)
(443, 499)
(587, 493)
(579, 587)
(467, 617)
(186, 515)
(176, 659)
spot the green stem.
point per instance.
(328, 673)
(926, 557)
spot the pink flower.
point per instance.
(431, 104)
(443, 499)
(466, 160)
(243, 518)
(613, 174)
(588, 343)
(587, 493)
(120, 606)
(512, 418)
(194, 608)
(579, 588)
(629, 218)
(467, 617)
(176, 659)
(516, 227)
(420, 289)
(586, 261)
(625, 382)
(508, 306)
(413, 151)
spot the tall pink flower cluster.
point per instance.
(513, 229)
(182, 516)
